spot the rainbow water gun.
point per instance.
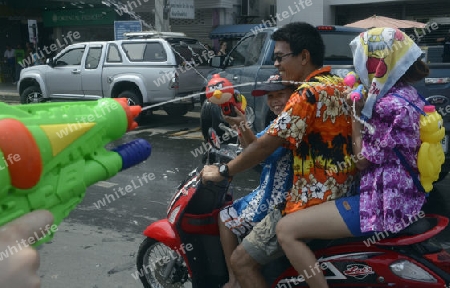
(51, 152)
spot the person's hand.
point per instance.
(359, 105)
(210, 173)
(238, 121)
(19, 261)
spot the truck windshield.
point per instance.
(337, 46)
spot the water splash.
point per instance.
(200, 93)
(191, 96)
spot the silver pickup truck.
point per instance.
(147, 70)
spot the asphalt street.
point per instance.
(96, 246)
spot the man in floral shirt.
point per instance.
(316, 126)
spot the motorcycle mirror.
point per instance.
(213, 138)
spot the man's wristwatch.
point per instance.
(223, 170)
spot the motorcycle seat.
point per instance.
(416, 228)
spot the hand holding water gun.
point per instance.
(220, 91)
(356, 97)
(352, 81)
(18, 263)
(50, 153)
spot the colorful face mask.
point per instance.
(381, 56)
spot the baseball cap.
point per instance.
(272, 84)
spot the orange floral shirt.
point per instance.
(317, 125)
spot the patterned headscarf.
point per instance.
(381, 56)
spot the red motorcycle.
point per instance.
(184, 249)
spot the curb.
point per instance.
(9, 97)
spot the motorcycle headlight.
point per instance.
(408, 270)
(173, 215)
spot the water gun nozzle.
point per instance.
(131, 111)
(357, 93)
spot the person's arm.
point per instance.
(440, 39)
(357, 128)
(239, 122)
(247, 136)
(256, 152)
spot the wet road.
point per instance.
(97, 244)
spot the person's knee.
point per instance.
(283, 232)
(220, 222)
(240, 260)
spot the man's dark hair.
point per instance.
(301, 35)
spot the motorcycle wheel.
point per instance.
(152, 261)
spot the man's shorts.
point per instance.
(240, 227)
(261, 243)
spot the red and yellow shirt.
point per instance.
(316, 123)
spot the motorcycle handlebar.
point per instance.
(227, 129)
(225, 154)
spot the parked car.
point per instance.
(250, 61)
(149, 68)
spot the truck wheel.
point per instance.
(32, 94)
(176, 110)
(133, 98)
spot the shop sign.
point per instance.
(182, 9)
(78, 17)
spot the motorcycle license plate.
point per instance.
(444, 143)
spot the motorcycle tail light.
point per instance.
(408, 270)
(441, 259)
(173, 215)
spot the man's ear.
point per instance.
(305, 57)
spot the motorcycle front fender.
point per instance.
(163, 232)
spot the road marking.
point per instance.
(183, 132)
(105, 184)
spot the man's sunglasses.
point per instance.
(279, 58)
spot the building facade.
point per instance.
(341, 12)
(94, 19)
